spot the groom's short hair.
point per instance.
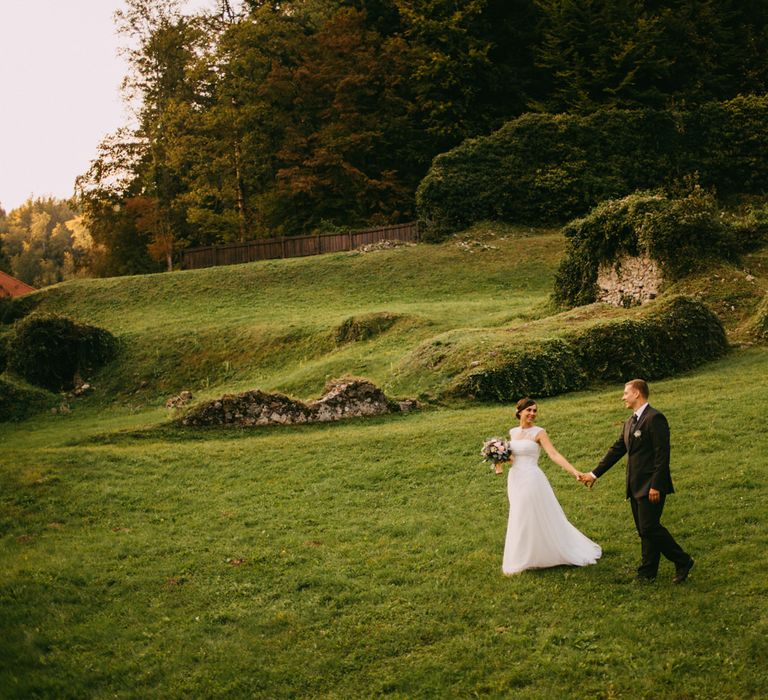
(640, 385)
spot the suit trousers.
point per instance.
(654, 537)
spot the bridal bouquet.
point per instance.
(496, 449)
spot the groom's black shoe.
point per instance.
(682, 572)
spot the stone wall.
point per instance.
(630, 281)
(342, 398)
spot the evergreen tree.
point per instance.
(260, 118)
(472, 63)
(641, 53)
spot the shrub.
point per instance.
(676, 335)
(16, 402)
(727, 143)
(50, 351)
(14, 308)
(683, 233)
(750, 230)
(547, 370)
(666, 338)
(545, 168)
(680, 234)
(619, 351)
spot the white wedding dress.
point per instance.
(538, 533)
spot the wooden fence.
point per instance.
(295, 246)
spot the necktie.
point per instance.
(633, 423)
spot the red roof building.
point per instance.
(11, 287)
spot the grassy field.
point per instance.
(273, 324)
(139, 559)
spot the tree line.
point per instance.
(281, 118)
(45, 241)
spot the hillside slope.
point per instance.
(274, 324)
(290, 325)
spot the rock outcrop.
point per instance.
(382, 245)
(342, 398)
(630, 281)
(179, 400)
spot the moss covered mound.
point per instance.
(672, 336)
(18, 401)
(50, 350)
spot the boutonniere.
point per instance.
(637, 433)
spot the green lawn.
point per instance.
(361, 559)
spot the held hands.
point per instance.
(587, 479)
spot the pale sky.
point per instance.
(59, 92)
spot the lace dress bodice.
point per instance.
(524, 446)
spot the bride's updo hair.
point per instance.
(522, 404)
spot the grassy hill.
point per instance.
(362, 559)
(277, 325)
(274, 324)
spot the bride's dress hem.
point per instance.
(515, 572)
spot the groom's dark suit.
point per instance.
(646, 444)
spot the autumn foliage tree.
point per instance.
(260, 118)
(44, 241)
(346, 145)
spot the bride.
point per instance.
(538, 533)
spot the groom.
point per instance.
(645, 440)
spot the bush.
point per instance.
(545, 168)
(547, 370)
(672, 336)
(677, 335)
(684, 233)
(750, 230)
(50, 351)
(16, 402)
(680, 234)
(14, 308)
(619, 351)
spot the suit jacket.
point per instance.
(647, 455)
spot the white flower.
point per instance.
(637, 433)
